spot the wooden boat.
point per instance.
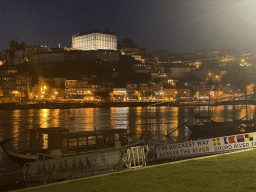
(204, 127)
(55, 142)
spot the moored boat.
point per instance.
(56, 142)
(204, 127)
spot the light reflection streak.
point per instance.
(44, 118)
(16, 127)
(174, 120)
(55, 122)
(119, 117)
(138, 120)
(89, 120)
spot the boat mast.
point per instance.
(246, 105)
(209, 112)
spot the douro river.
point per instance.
(154, 122)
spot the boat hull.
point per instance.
(19, 158)
(219, 129)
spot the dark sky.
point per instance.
(174, 25)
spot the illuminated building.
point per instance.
(158, 76)
(80, 89)
(98, 46)
(183, 92)
(178, 71)
(143, 68)
(14, 86)
(132, 92)
(94, 41)
(118, 94)
(169, 94)
(150, 89)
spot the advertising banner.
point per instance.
(219, 144)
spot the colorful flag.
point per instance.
(240, 138)
(248, 137)
(216, 141)
(231, 139)
(225, 140)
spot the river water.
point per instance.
(154, 121)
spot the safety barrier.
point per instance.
(135, 157)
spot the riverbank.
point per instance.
(68, 105)
(232, 172)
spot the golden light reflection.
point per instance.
(44, 118)
(45, 141)
(173, 123)
(219, 111)
(251, 109)
(55, 121)
(16, 127)
(202, 109)
(138, 121)
(89, 120)
(230, 112)
(31, 114)
(153, 122)
(119, 117)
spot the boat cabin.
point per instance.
(58, 141)
(47, 140)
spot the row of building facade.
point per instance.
(164, 69)
(16, 87)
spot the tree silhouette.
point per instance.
(236, 76)
(128, 43)
(107, 31)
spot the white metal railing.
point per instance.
(135, 157)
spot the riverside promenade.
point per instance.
(68, 105)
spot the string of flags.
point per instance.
(234, 139)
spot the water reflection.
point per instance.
(119, 117)
(138, 120)
(55, 121)
(89, 120)
(154, 122)
(45, 115)
(16, 127)
(173, 121)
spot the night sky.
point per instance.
(173, 25)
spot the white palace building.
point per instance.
(94, 41)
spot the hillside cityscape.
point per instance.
(97, 68)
